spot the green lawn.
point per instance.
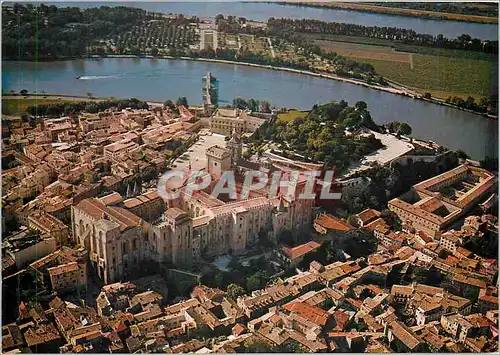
(291, 115)
(14, 107)
(442, 76)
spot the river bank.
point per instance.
(394, 88)
(159, 80)
(392, 11)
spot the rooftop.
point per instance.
(301, 250)
(330, 222)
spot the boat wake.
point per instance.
(95, 77)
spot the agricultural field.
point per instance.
(367, 7)
(441, 72)
(442, 76)
(14, 107)
(362, 51)
(290, 115)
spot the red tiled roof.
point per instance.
(330, 222)
(341, 319)
(301, 250)
(374, 224)
(368, 215)
(98, 210)
(312, 313)
(239, 329)
(424, 237)
(469, 281)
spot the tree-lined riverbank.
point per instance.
(158, 80)
(393, 10)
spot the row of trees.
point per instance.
(488, 105)
(279, 27)
(252, 105)
(483, 9)
(68, 108)
(343, 66)
(399, 128)
(154, 35)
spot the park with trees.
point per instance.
(321, 136)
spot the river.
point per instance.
(264, 11)
(159, 80)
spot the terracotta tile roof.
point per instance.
(111, 199)
(311, 313)
(428, 290)
(41, 334)
(61, 269)
(405, 252)
(464, 252)
(239, 329)
(405, 335)
(330, 222)
(374, 224)
(175, 213)
(451, 260)
(11, 336)
(478, 320)
(424, 236)
(341, 319)
(98, 210)
(301, 250)
(469, 281)
(377, 258)
(489, 299)
(368, 215)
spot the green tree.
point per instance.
(353, 220)
(461, 154)
(265, 107)
(361, 106)
(393, 127)
(154, 51)
(258, 346)
(239, 102)
(256, 281)
(404, 129)
(489, 163)
(391, 219)
(285, 236)
(443, 253)
(182, 101)
(168, 104)
(234, 291)
(289, 346)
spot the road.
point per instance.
(271, 47)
